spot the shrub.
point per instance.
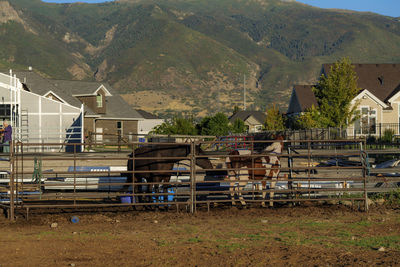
(388, 135)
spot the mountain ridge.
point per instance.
(192, 56)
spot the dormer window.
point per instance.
(99, 100)
(380, 79)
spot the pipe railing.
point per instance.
(58, 188)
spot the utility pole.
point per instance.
(244, 92)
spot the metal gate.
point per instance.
(98, 177)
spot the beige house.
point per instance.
(254, 120)
(378, 100)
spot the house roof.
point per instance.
(245, 114)
(116, 106)
(382, 80)
(39, 85)
(146, 114)
(305, 96)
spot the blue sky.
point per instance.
(384, 7)
(73, 1)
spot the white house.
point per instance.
(36, 118)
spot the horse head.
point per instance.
(280, 139)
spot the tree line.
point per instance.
(218, 125)
(334, 94)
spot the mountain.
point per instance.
(191, 56)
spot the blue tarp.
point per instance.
(74, 136)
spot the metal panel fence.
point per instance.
(377, 131)
(99, 179)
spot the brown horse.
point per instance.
(159, 161)
(243, 167)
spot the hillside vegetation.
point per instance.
(191, 55)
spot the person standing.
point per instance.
(7, 135)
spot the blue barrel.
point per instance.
(74, 219)
(171, 197)
(126, 199)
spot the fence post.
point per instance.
(12, 184)
(133, 175)
(290, 165)
(74, 174)
(119, 142)
(364, 170)
(192, 177)
(309, 166)
(380, 131)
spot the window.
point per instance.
(5, 110)
(119, 127)
(367, 122)
(99, 100)
(372, 121)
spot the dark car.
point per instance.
(386, 172)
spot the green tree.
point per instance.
(309, 119)
(238, 126)
(216, 125)
(274, 120)
(236, 109)
(177, 125)
(335, 93)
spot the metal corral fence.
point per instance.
(374, 131)
(99, 179)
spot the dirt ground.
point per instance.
(306, 235)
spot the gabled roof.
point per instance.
(54, 95)
(116, 106)
(366, 93)
(305, 96)
(41, 86)
(82, 88)
(382, 80)
(244, 115)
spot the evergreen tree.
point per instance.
(334, 94)
(274, 120)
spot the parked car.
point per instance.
(390, 164)
(340, 162)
